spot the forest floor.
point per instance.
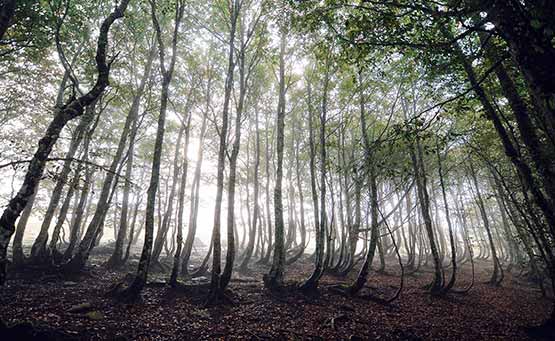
(78, 309)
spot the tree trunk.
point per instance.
(496, 277)
(230, 254)
(180, 208)
(256, 207)
(451, 282)
(162, 234)
(312, 282)
(195, 189)
(17, 250)
(274, 279)
(215, 289)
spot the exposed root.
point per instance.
(128, 290)
(340, 289)
(217, 296)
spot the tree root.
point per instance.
(340, 289)
(124, 290)
(217, 296)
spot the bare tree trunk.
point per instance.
(274, 279)
(80, 212)
(451, 282)
(17, 249)
(497, 275)
(39, 251)
(215, 290)
(243, 77)
(265, 258)
(161, 236)
(312, 282)
(424, 199)
(302, 226)
(195, 188)
(181, 205)
(256, 207)
(359, 283)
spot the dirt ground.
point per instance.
(77, 309)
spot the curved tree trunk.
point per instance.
(39, 251)
(161, 236)
(496, 276)
(453, 277)
(18, 256)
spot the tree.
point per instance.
(70, 110)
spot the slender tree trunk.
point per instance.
(195, 189)
(452, 279)
(359, 283)
(180, 209)
(256, 207)
(274, 279)
(312, 282)
(17, 249)
(161, 236)
(265, 259)
(230, 254)
(216, 250)
(496, 277)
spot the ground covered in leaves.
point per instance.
(77, 308)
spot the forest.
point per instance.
(277, 170)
